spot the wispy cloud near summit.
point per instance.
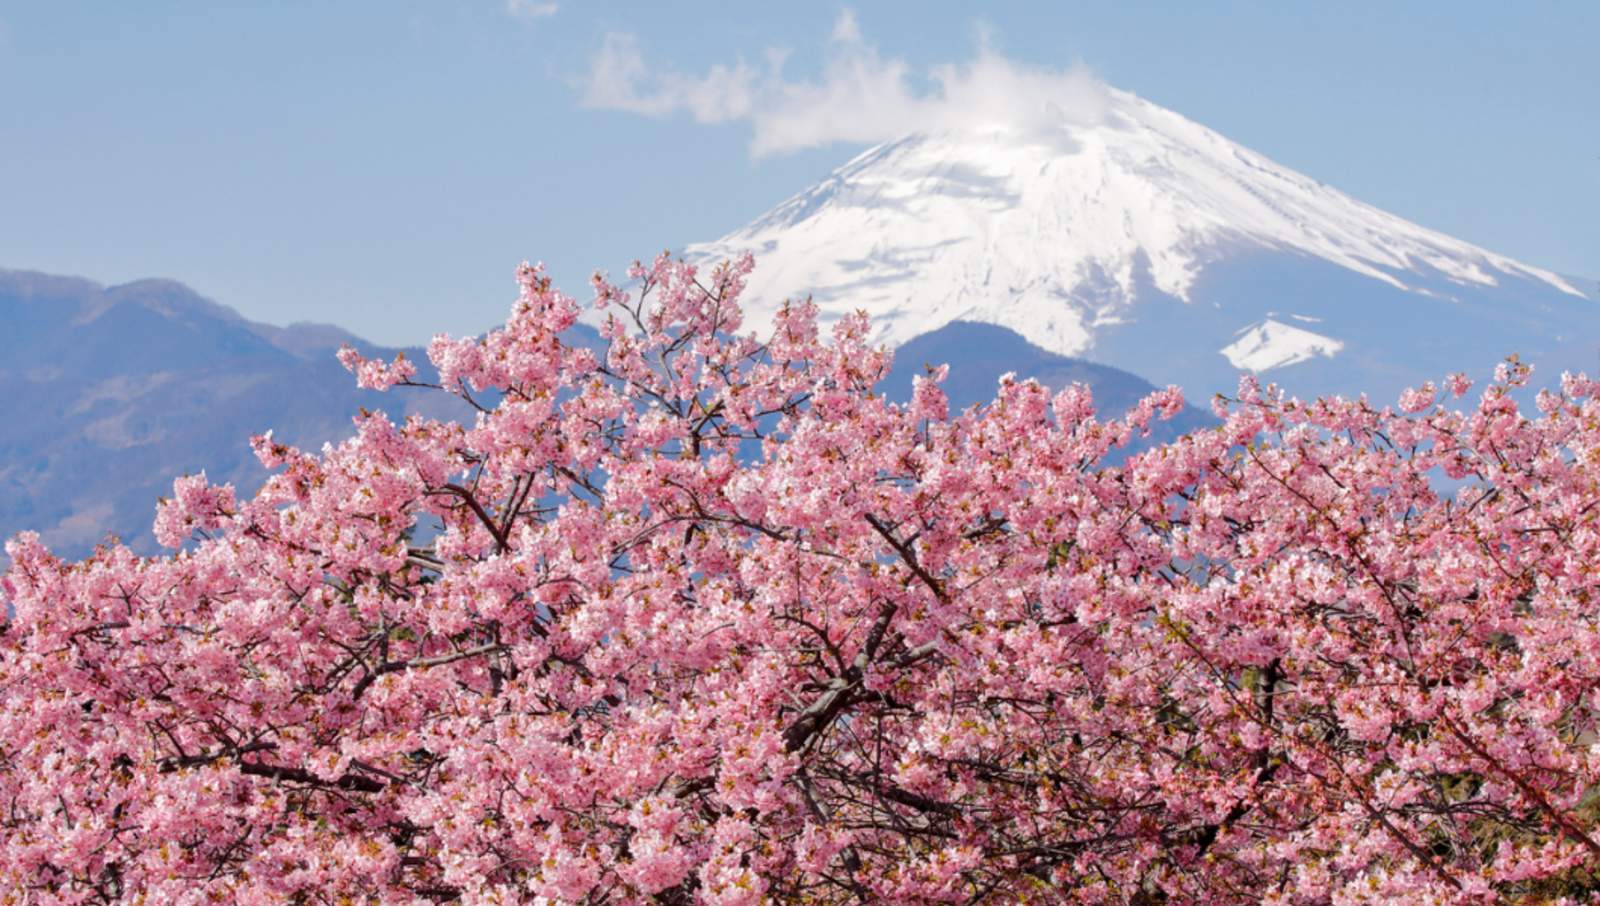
(619, 71)
(860, 97)
(531, 9)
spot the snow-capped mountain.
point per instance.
(1150, 243)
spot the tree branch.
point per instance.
(371, 676)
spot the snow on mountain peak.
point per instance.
(1064, 229)
(1272, 344)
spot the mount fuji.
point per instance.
(1138, 239)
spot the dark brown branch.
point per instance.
(690, 787)
(1560, 818)
(471, 501)
(178, 762)
(917, 801)
(820, 713)
(909, 556)
(420, 664)
(353, 782)
(916, 655)
(839, 693)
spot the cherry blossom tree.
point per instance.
(703, 619)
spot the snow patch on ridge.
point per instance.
(1270, 344)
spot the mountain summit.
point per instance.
(1148, 242)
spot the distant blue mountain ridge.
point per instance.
(108, 393)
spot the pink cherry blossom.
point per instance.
(704, 618)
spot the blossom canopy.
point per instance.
(703, 618)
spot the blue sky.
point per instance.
(385, 164)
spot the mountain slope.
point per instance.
(106, 395)
(980, 354)
(1150, 243)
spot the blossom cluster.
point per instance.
(703, 618)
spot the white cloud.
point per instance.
(847, 29)
(860, 97)
(723, 94)
(531, 9)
